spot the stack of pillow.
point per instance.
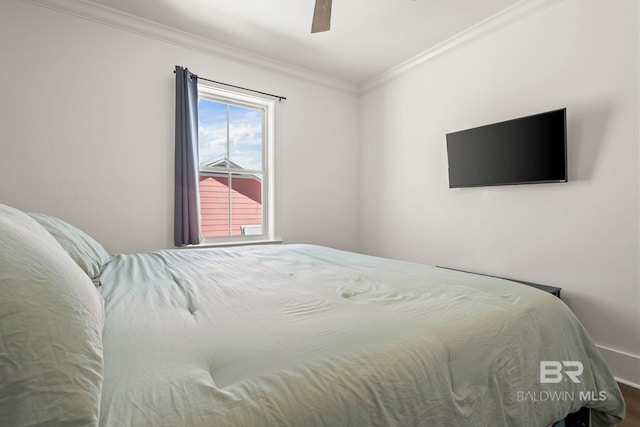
(51, 321)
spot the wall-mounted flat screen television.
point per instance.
(526, 150)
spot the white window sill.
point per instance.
(228, 244)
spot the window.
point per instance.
(235, 138)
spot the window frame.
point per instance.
(267, 106)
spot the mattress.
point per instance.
(302, 335)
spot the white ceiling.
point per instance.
(367, 37)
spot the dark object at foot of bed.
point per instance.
(578, 419)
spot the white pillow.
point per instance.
(87, 252)
(51, 321)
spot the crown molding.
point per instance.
(503, 19)
(104, 15)
(134, 24)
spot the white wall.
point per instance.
(87, 122)
(583, 235)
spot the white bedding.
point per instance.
(298, 335)
(51, 321)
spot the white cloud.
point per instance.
(245, 137)
(245, 143)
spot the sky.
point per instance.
(245, 133)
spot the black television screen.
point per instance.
(527, 150)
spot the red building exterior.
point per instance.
(246, 204)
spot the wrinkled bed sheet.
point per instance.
(301, 335)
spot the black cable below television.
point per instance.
(527, 150)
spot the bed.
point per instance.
(277, 335)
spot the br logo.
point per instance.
(552, 371)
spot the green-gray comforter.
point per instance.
(298, 335)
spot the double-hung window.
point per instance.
(235, 138)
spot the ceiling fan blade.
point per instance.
(321, 16)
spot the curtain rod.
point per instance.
(280, 98)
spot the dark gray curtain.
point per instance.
(187, 195)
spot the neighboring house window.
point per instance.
(235, 138)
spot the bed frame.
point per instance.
(551, 289)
